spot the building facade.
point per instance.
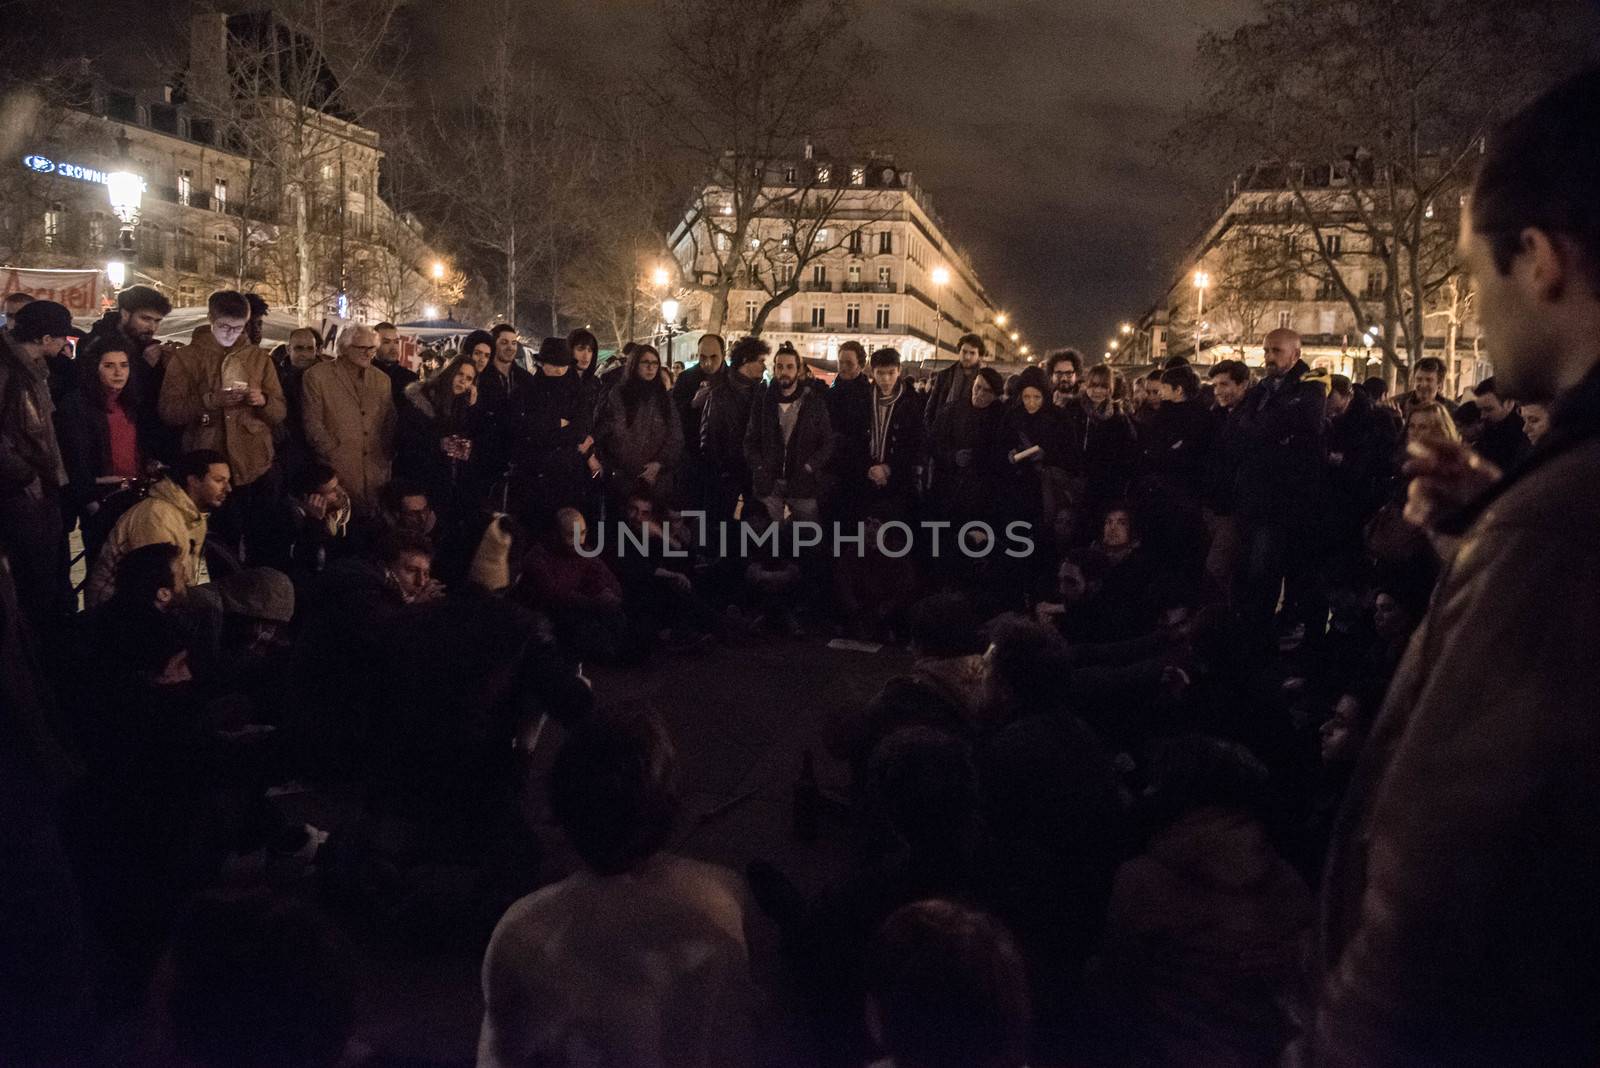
(876, 267)
(216, 211)
(1259, 267)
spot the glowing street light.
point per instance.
(438, 270)
(941, 278)
(124, 189)
(1016, 336)
(1202, 282)
(669, 313)
(430, 312)
(1000, 319)
(661, 277)
(1113, 344)
(117, 273)
(1127, 329)
(1024, 350)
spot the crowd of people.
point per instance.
(1196, 776)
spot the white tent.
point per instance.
(180, 325)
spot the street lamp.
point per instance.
(1127, 329)
(430, 312)
(124, 189)
(669, 312)
(1000, 319)
(1016, 336)
(1113, 344)
(1202, 282)
(940, 278)
(438, 270)
(661, 277)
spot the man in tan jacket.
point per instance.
(350, 418)
(222, 392)
(175, 512)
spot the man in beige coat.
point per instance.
(350, 417)
(222, 392)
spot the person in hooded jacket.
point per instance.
(555, 453)
(1034, 439)
(438, 425)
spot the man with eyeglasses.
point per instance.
(350, 417)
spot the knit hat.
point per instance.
(491, 564)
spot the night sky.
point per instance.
(1036, 125)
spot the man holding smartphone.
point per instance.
(222, 392)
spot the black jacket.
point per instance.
(1505, 443)
(723, 424)
(939, 392)
(1281, 478)
(1110, 453)
(399, 378)
(799, 462)
(899, 446)
(1178, 445)
(1361, 451)
(86, 443)
(683, 391)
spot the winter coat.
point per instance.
(1178, 445)
(1110, 453)
(1281, 480)
(1222, 462)
(1361, 452)
(652, 436)
(1204, 937)
(190, 399)
(799, 463)
(900, 448)
(1025, 482)
(967, 460)
(939, 396)
(683, 394)
(167, 516)
(1504, 443)
(30, 459)
(400, 377)
(1459, 922)
(723, 426)
(421, 430)
(351, 425)
(83, 430)
(144, 379)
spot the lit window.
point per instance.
(858, 176)
(824, 174)
(855, 273)
(185, 186)
(52, 225)
(219, 193)
(822, 236)
(1285, 319)
(750, 309)
(886, 276)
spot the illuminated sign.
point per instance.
(45, 165)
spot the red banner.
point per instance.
(78, 290)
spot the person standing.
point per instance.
(221, 392)
(850, 409)
(1426, 381)
(103, 444)
(788, 443)
(1065, 368)
(350, 417)
(388, 361)
(31, 470)
(953, 385)
(637, 429)
(134, 322)
(1280, 429)
(1458, 923)
(1503, 442)
(894, 440)
(724, 423)
(689, 394)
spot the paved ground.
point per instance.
(742, 721)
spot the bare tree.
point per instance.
(1368, 115)
(742, 89)
(299, 90)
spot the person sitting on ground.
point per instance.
(314, 521)
(638, 958)
(568, 581)
(657, 590)
(1206, 929)
(946, 988)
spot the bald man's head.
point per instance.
(1282, 351)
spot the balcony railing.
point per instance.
(186, 263)
(858, 287)
(814, 286)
